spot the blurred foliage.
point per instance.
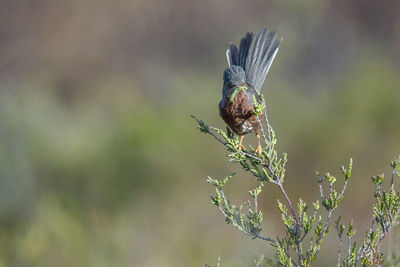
(99, 160)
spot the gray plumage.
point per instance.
(254, 55)
(234, 75)
(239, 55)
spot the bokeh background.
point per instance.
(100, 164)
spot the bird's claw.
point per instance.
(240, 147)
(259, 150)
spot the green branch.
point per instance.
(299, 223)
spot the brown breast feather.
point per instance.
(239, 113)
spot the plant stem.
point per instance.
(339, 251)
(392, 180)
(289, 202)
(295, 219)
(378, 245)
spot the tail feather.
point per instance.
(258, 51)
(255, 55)
(244, 49)
(268, 40)
(254, 50)
(239, 55)
(234, 53)
(271, 55)
(262, 52)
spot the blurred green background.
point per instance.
(100, 164)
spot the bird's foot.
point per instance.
(259, 150)
(240, 147)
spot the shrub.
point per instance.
(301, 220)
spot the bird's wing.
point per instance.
(260, 55)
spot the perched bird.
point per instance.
(247, 69)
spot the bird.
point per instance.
(248, 66)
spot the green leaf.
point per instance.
(258, 107)
(301, 207)
(282, 208)
(212, 181)
(378, 179)
(331, 179)
(350, 231)
(339, 227)
(347, 172)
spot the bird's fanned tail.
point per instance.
(255, 55)
(237, 56)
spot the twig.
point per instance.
(339, 251)
(295, 219)
(328, 218)
(288, 201)
(362, 249)
(392, 180)
(378, 245)
(273, 242)
(348, 246)
(343, 189)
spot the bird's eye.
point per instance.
(228, 85)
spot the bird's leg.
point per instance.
(259, 148)
(240, 146)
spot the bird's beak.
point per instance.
(235, 91)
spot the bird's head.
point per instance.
(234, 81)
